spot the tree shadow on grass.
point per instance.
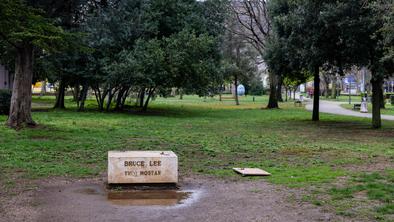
(175, 112)
(352, 129)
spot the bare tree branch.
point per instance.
(253, 22)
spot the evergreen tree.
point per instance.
(25, 27)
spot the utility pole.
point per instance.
(350, 90)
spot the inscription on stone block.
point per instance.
(133, 167)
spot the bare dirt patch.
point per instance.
(375, 164)
(211, 199)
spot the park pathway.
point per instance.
(333, 107)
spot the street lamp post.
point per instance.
(349, 91)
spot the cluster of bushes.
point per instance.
(255, 88)
(5, 101)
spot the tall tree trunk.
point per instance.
(43, 88)
(327, 90)
(97, 94)
(60, 95)
(334, 88)
(100, 96)
(142, 97)
(236, 90)
(377, 83)
(99, 100)
(287, 92)
(76, 92)
(180, 94)
(109, 100)
(137, 99)
(125, 95)
(238, 57)
(316, 95)
(273, 100)
(82, 97)
(382, 99)
(150, 93)
(279, 89)
(294, 92)
(20, 108)
(77, 95)
(119, 99)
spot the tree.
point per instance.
(149, 59)
(255, 28)
(338, 33)
(380, 45)
(326, 75)
(239, 65)
(255, 86)
(25, 29)
(388, 31)
(111, 32)
(360, 29)
(282, 60)
(307, 33)
(313, 30)
(181, 60)
(157, 45)
(277, 59)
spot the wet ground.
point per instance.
(197, 199)
(136, 197)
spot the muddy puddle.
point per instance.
(148, 197)
(138, 197)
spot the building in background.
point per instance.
(356, 81)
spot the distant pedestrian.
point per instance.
(310, 92)
(364, 104)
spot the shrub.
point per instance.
(256, 88)
(392, 99)
(5, 101)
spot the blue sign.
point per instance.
(349, 80)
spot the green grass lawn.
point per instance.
(344, 98)
(341, 162)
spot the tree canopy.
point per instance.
(27, 29)
(310, 34)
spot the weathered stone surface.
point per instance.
(133, 167)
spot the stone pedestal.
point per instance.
(142, 167)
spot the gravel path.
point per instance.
(211, 200)
(336, 108)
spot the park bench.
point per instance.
(356, 106)
(298, 103)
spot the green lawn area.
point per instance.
(344, 98)
(388, 110)
(340, 162)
